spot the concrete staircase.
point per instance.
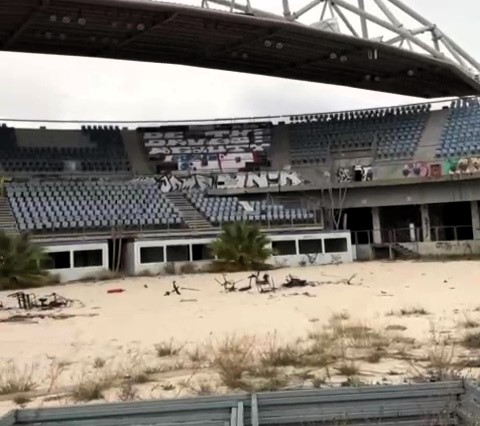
(402, 252)
(280, 155)
(137, 154)
(192, 217)
(7, 221)
(431, 136)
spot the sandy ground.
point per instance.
(129, 324)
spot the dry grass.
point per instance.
(375, 356)
(280, 355)
(340, 316)
(21, 400)
(468, 321)
(409, 312)
(128, 392)
(348, 368)
(197, 355)
(99, 362)
(16, 379)
(232, 358)
(91, 388)
(471, 340)
(395, 327)
(167, 348)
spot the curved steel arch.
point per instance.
(400, 25)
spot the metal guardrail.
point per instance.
(446, 403)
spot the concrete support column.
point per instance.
(377, 234)
(475, 220)
(426, 227)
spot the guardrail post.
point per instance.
(254, 410)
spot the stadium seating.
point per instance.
(104, 154)
(461, 133)
(220, 210)
(80, 205)
(393, 133)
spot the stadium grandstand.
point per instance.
(327, 188)
(398, 181)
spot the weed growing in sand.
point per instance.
(468, 321)
(409, 312)
(99, 362)
(90, 388)
(348, 368)
(197, 355)
(232, 358)
(127, 392)
(168, 387)
(318, 382)
(21, 400)
(472, 340)
(395, 327)
(375, 356)
(168, 348)
(15, 379)
(340, 316)
(280, 355)
(202, 388)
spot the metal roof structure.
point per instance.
(444, 403)
(249, 40)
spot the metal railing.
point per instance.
(413, 235)
(445, 403)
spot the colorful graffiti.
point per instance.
(354, 174)
(416, 169)
(462, 166)
(172, 182)
(228, 148)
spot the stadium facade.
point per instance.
(331, 187)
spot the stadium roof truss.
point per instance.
(402, 26)
(380, 45)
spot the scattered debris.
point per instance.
(264, 284)
(188, 300)
(29, 301)
(228, 285)
(116, 290)
(33, 319)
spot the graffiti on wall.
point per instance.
(170, 182)
(416, 169)
(237, 147)
(354, 174)
(463, 166)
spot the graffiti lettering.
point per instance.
(416, 169)
(238, 180)
(354, 174)
(463, 166)
(336, 258)
(223, 147)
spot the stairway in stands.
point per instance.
(137, 153)
(192, 217)
(431, 136)
(7, 220)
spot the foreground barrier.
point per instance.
(445, 403)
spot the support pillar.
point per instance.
(475, 220)
(426, 227)
(377, 233)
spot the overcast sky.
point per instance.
(50, 87)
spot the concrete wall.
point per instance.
(135, 266)
(76, 273)
(445, 248)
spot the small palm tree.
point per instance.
(20, 262)
(241, 244)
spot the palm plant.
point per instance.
(242, 245)
(20, 262)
